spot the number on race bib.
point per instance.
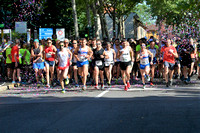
(98, 63)
(48, 55)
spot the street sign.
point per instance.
(45, 33)
(60, 34)
(21, 27)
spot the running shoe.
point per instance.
(170, 82)
(66, 81)
(128, 85)
(102, 86)
(136, 79)
(38, 85)
(43, 81)
(144, 86)
(151, 84)
(126, 88)
(97, 87)
(48, 85)
(188, 79)
(77, 85)
(13, 82)
(84, 87)
(63, 91)
(167, 84)
(148, 78)
(116, 81)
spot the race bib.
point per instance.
(82, 58)
(48, 55)
(107, 63)
(99, 63)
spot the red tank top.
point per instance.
(49, 57)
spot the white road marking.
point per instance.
(101, 94)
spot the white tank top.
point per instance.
(63, 58)
(82, 53)
(145, 58)
(125, 57)
(110, 55)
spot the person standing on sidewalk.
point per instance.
(15, 61)
(169, 54)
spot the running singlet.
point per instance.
(48, 56)
(82, 53)
(36, 52)
(153, 51)
(145, 58)
(110, 59)
(63, 58)
(125, 57)
(97, 59)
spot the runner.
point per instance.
(83, 53)
(56, 62)
(109, 62)
(50, 53)
(74, 63)
(67, 81)
(125, 55)
(186, 49)
(169, 54)
(116, 68)
(154, 50)
(38, 64)
(143, 57)
(98, 57)
(15, 61)
(64, 63)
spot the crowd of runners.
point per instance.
(53, 62)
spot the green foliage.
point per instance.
(144, 12)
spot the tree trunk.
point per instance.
(88, 13)
(97, 22)
(114, 22)
(75, 19)
(102, 26)
(105, 27)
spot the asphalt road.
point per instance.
(156, 109)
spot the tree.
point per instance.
(118, 10)
(75, 19)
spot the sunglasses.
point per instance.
(66, 42)
(98, 43)
(61, 45)
(48, 42)
(74, 43)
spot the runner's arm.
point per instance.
(150, 55)
(114, 55)
(76, 53)
(132, 55)
(70, 53)
(105, 55)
